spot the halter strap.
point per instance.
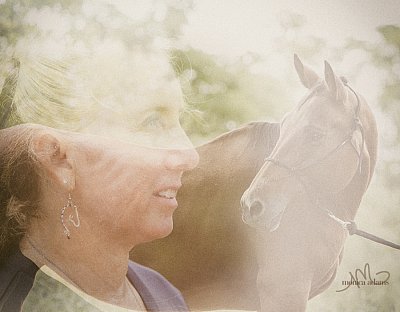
(357, 121)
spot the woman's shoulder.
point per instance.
(155, 290)
(17, 274)
(146, 273)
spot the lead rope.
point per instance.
(351, 227)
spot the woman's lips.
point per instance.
(167, 196)
(168, 193)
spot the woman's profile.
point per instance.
(91, 159)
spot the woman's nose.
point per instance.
(181, 155)
(182, 159)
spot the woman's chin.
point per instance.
(164, 232)
(160, 229)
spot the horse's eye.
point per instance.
(313, 135)
(316, 136)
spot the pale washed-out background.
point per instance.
(235, 60)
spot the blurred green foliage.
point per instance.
(220, 96)
(389, 60)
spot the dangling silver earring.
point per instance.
(72, 218)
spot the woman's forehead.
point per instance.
(109, 76)
(128, 111)
(132, 84)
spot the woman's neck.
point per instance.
(92, 264)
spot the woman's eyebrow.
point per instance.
(168, 107)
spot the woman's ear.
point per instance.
(52, 152)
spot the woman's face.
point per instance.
(128, 170)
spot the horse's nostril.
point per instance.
(256, 209)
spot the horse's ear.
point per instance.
(335, 84)
(307, 76)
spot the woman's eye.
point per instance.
(153, 122)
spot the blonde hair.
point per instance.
(69, 89)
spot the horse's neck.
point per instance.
(234, 158)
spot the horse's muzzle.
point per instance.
(251, 210)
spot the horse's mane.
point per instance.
(254, 132)
(265, 132)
